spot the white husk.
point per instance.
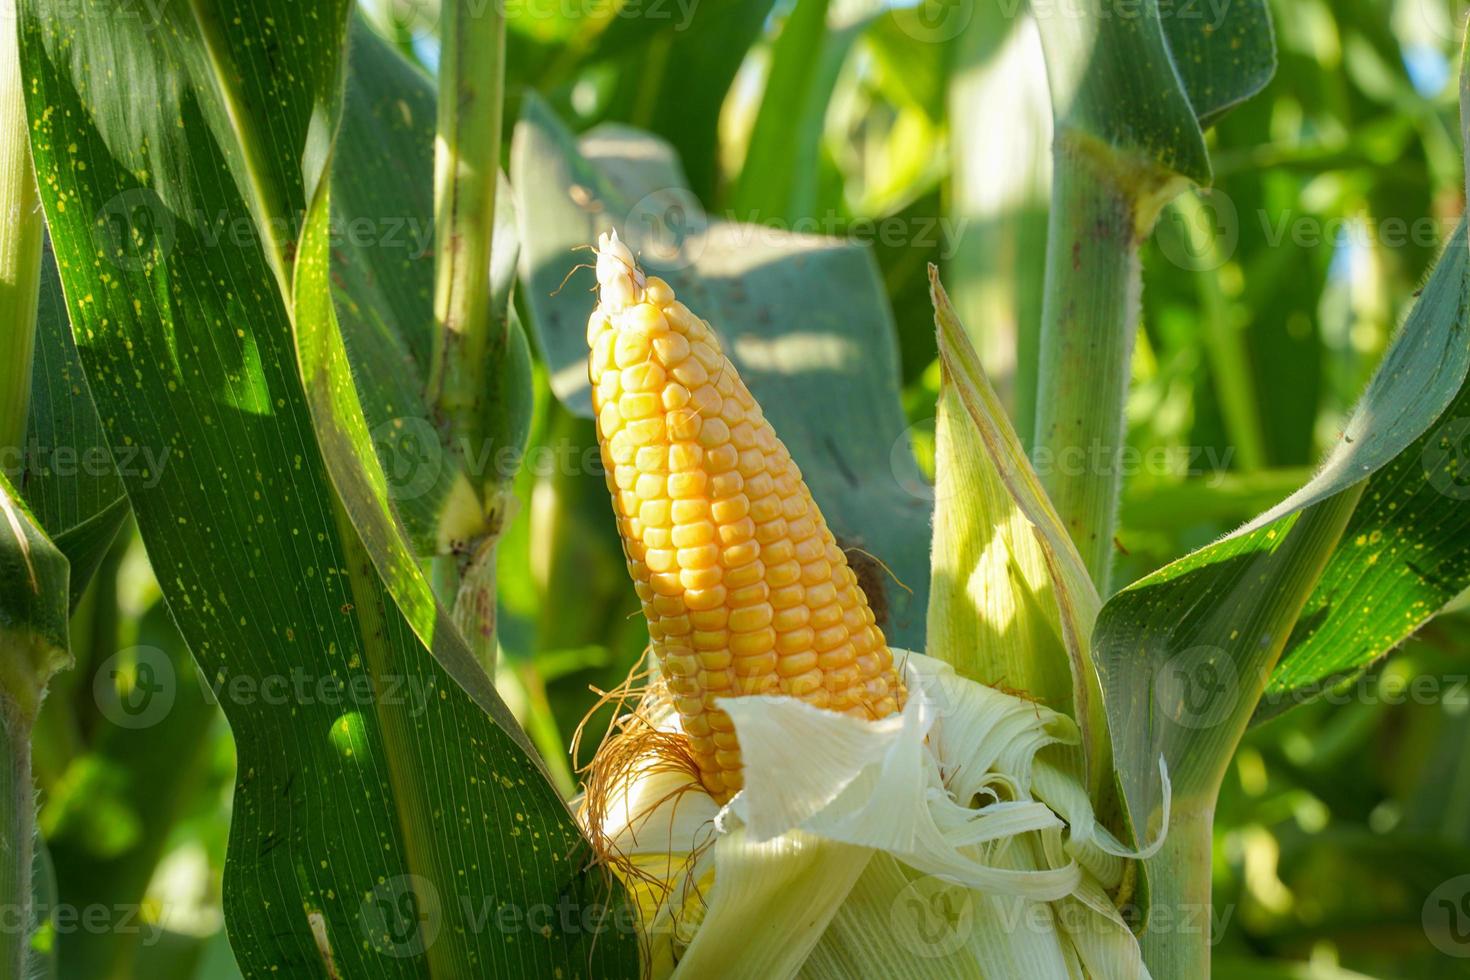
(852, 840)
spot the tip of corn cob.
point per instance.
(744, 587)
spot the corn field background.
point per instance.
(205, 504)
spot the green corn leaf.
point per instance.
(794, 86)
(383, 281)
(804, 319)
(68, 473)
(1224, 53)
(1325, 582)
(1010, 601)
(390, 821)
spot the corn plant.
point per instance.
(839, 700)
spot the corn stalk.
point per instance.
(468, 350)
(30, 648)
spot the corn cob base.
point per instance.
(744, 587)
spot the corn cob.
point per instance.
(745, 589)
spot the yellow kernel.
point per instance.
(706, 577)
(650, 486)
(705, 598)
(783, 574)
(748, 574)
(751, 594)
(816, 572)
(690, 511)
(658, 537)
(753, 645)
(821, 594)
(702, 556)
(789, 617)
(707, 641)
(685, 456)
(621, 447)
(685, 425)
(737, 532)
(661, 560)
(829, 638)
(740, 554)
(596, 324)
(654, 513)
(666, 584)
(796, 641)
(671, 349)
(642, 405)
(707, 401)
(791, 597)
(645, 318)
(825, 615)
(721, 458)
(748, 618)
(764, 508)
(710, 619)
(630, 348)
(714, 433)
(807, 548)
(718, 658)
(649, 459)
(752, 461)
(682, 486)
(796, 663)
(675, 396)
(731, 509)
(693, 535)
(657, 292)
(805, 685)
(726, 485)
(770, 531)
(689, 372)
(648, 377)
(646, 431)
(609, 420)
